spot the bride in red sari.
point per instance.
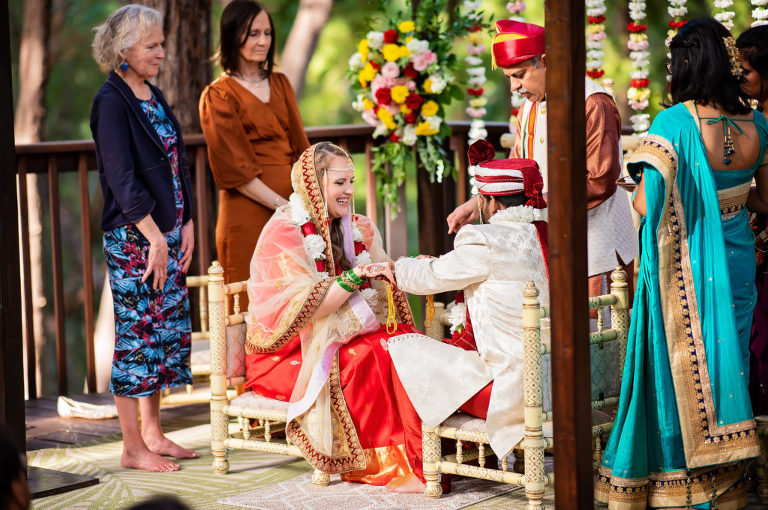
(316, 328)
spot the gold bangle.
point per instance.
(346, 280)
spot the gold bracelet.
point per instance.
(346, 280)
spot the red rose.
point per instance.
(515, 111)
(592, 73)
(374, 65)
(413, 101)
(308, 228)
(677, 24)
(409, 71)
(383, 96)
(475, 92)
(394, 138)
(390, 36)
(319, 265)
(474, 27)
(411, 118)
(640, 84)
(596, 19)
(359, 246)
(632, 27)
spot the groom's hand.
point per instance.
(463, 214)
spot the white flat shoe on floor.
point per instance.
(69, 408)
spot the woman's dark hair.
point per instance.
(234, 30)
(701, 67)
(753, 47)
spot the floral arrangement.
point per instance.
(516, 10)
(406, 74)
(759, 12)
(724, 15)
(595, 38)
(476, 71)
(638, 93)
(677, 10)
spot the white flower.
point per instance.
(299, 213)
(409, 135)
(597, 11)
(438, 83)
(760, 14)
(724, 16)
(637, 15)
(417, 46)
(637, 5)
(357, 236)
(758, 3)
(595, 54)
(314, 245)
(594, 45)
(381, 130)
(375, 40)
(472, 6)
(677, 2)
(677, 12)
(594, 64)
(517, 100)
(371, 297)
(477, 80)
(639, 55)
(724, 4)
(520, 214)
(639, 74)
(457, 314)
(476, 71)
(476, 61)
(357, 105)
(363, 258)
(356, 62)
(434, 121)
(593, 3)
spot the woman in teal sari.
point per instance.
(684, 426)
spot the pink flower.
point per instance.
(393, 108)
(411, 85)
(390, 70)
(423, 60)
(370, 118)
(475, 49)
(637, 45)
(380, 81)
(597, 36)
(476, 112)
(638, 105)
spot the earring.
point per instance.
(124, 66)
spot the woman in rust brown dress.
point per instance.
(254, 133)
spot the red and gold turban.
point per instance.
(516, 42)
(503, 177)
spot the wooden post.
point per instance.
(11, 358)
(58, 277)
(565, 58)
(85, 234)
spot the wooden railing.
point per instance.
(51, 159)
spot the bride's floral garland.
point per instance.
(595, 38)
(759, 12)
(638, 93)
(314, 246)
(476, 72)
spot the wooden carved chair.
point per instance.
(528, 470)
(200, 357)
(257, 417)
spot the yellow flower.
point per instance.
(362, 47)
(404, 51)
(366, 75)
(477, 102)
(383, 114)
(406, 26)
(594, 29)
(409, 39)
(475, 37)
(424, 129)
(391, 52)
(399, 93)
(428, 86)
(367, 103)
(638, 37)
(391, 125)
(404, 109)
(429, 108)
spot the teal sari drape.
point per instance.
(684, 423)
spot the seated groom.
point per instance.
(492, 264)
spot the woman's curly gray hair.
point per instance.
(123, 29)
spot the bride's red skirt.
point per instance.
(387, 426)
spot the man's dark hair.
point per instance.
(162, 502)
(753, 47)
(234, 30)
(11, 468)
(509, 200)
(701, 67)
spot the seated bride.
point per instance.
(316, 326)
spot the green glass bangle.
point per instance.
(354, 278)
(343, 285)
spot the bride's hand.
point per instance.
(379, 271)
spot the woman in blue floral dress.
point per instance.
(148, 231)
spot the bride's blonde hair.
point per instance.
(324, 151)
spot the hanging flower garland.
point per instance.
(516, 10)
(595, 38)
(677, 10)
(476, 71)
(638, 93)
(759, 12)
(724, 15)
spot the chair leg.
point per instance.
(431, 456)
(321, 479)
(219, 433)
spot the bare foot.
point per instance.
(148, 461)
(406, 483)
(164, 446)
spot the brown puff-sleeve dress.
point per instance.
(248, 138)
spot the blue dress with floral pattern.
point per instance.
(152, 328)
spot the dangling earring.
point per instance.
(123, 66)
